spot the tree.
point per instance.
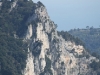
(87, 27)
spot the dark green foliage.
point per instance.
(15, 21)
(69, 37)
(40, 4)
(13, 52)
(5, 5)
(12, 55)
(95, 65)
(91, 38)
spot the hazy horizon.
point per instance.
(70, 14)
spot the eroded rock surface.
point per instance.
(49, 53)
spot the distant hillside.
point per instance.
(90, 36)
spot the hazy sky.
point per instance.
(70, 14)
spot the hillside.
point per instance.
(90, 37)
(31, 45)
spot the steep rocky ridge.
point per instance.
(48, 52)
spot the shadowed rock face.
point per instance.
(49, 53)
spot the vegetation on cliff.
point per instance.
(13, 52)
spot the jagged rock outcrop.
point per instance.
(49, 53)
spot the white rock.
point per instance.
(29, 32)
(29, 70)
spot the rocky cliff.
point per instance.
(46, 51)
(49, 53)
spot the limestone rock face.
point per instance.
(49, 53)
(0, 5)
